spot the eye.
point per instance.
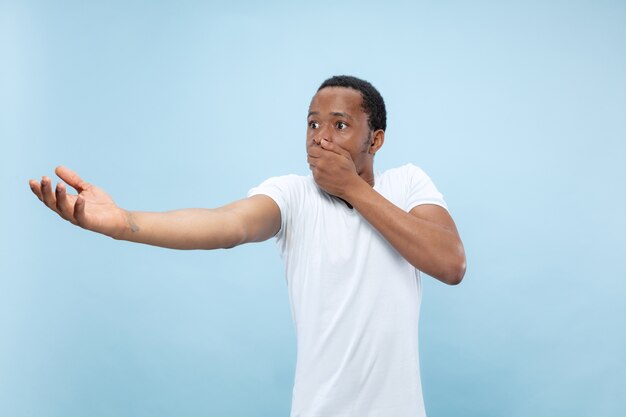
(313, 125)
(341, 125)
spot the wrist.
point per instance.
(357, 188)
(126, 228)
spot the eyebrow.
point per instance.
(335, 113)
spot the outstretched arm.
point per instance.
(252, 219)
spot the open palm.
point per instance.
(92, 208)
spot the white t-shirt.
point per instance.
(355, 300)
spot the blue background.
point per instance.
(517, 110)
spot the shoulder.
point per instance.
(291, 193)
(410, 186)
(405, 174)
(284, 182)
(406, 170)
(286, 190)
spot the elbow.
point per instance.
(447, 266)
(455, 269)
(450, 273)
(455, 275)
(239, 237)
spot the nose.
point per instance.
(324, 132)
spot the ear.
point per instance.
(378, 138)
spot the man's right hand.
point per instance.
(92, 208)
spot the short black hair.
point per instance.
(373, 103)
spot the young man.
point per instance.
(353, 243)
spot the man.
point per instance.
(353, 243)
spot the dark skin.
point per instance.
(340, 152)
(341, 149)
(335, 115)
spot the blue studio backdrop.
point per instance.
(515, 109)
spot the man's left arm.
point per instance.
(426, 236)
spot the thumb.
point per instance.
(71, 178)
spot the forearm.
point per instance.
(428, 246)
(183, 229)
(252, 219)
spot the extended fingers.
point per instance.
(35, 187)
(47, 195)
(317, 154)
(79, 210)
(315, 151)
(333, 147)
(64, 207)
(56, 200)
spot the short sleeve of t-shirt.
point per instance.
(421, 189)
(281, 190)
